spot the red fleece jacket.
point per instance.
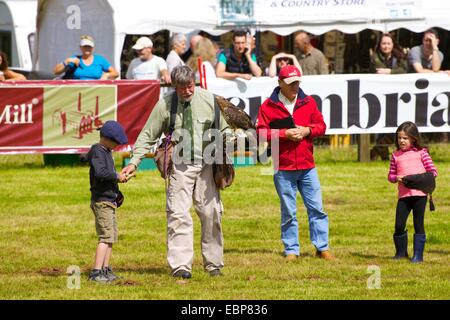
(272, 122)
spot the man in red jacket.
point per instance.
(292, 117)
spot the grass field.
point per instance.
(46, 226)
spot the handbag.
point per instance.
(223, 172)
(163, 157)
(164, 152)
(69, 71)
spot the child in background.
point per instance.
(105, 197)
(410, 158)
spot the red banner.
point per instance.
(62, 116)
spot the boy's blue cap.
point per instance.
(114, 131)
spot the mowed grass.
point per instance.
(46, 226)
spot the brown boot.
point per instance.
(326, 255)
(291, 257)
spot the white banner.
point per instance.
(358, 103)
(285, 12)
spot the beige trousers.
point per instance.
(193, 183)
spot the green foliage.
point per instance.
(46, 226)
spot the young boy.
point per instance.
(105, 196)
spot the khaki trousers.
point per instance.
(193, 183)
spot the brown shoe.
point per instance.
(291, 257)
(325, 255)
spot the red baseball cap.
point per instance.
(289, 74)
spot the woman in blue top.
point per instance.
(88, 66)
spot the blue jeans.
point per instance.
(307, 182)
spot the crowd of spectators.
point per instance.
(240, 60)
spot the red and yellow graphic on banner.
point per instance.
(72, 114)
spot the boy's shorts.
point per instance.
(105, 221)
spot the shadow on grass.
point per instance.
(370, 256)
(442, 252)
(250, 250)
(56, 272)
(21, 166)
(143, 269)
(266, 251)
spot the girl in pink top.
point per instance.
(410, 158)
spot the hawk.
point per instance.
(234, 116)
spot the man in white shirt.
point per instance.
(147, 66)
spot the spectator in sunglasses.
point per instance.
(281, 60)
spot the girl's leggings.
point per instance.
(404, 206)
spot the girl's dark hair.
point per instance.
(410, 129)
(4, 64)
(397, 51)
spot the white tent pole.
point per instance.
(119, 40)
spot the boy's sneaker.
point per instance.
(98, 276)
(107, 271)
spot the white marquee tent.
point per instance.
(61, 22)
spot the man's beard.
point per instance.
(182, 99)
